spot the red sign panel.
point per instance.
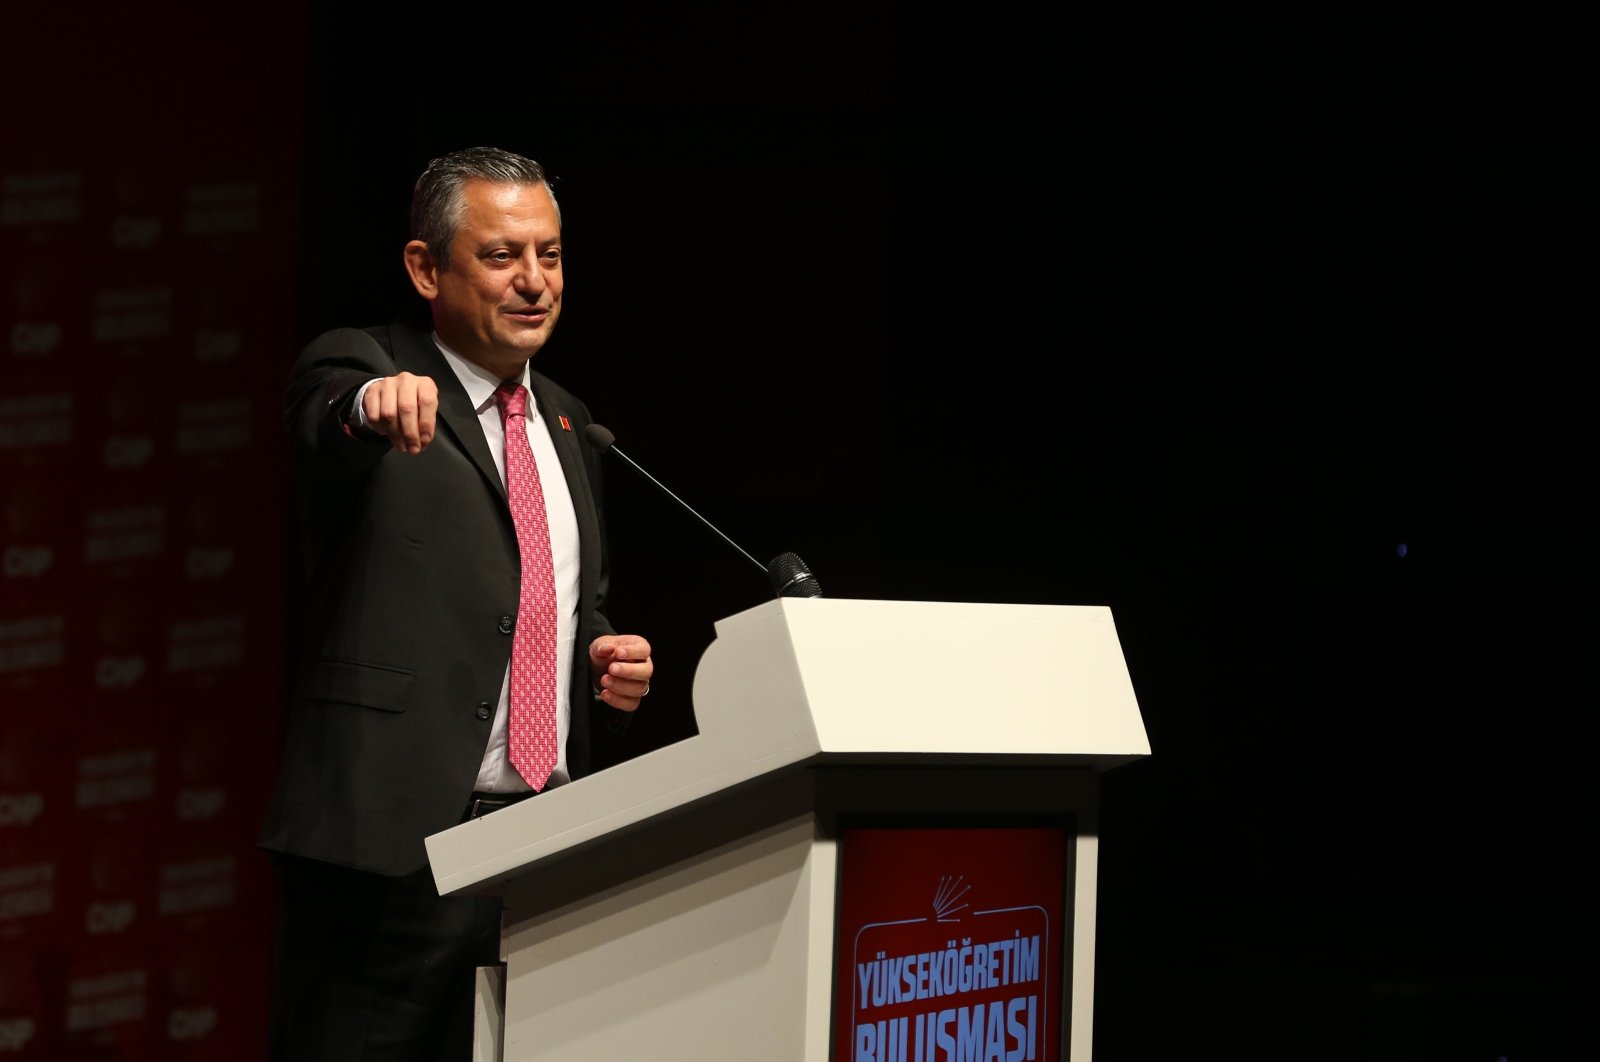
(950, 944)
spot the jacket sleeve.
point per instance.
(322, 383)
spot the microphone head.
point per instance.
(599, 437)
(791, 578)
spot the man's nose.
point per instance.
(529, 277)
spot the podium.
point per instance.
(687, 904)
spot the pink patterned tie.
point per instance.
(533, 650)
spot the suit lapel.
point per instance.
(417, 353)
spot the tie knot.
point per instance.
(512, 398)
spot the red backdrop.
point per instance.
(148, 224)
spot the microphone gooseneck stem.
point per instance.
(662, 487)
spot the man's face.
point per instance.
(498, 302)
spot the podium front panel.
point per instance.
(951, 941)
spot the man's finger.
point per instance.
(630, 647)
(406, 413)
(372, 405)
(631, 672)
(427, 409)
(387, 403)
(619, 702)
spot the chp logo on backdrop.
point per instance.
(217, 344)
(109, 916)
(20, 809)
(29, 526)
(199, 971)
(200, 805)
(211, 553)
(121, 657)
(35, 339)
(27, 562)
(118, 672)
(22, 801)
(191, 1023)
(15, 1033)
(128, 451)
(135, 231)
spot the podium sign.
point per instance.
(950, 944)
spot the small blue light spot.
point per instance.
(1400, 550)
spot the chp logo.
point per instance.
(35, 338)
(217, 344)
(109, 916)
(200, 805)
(27, 562)
(135, 232)
(20, 809)
(187, 1024)
(118, 672)
(128, 451)
(209, 562)
(15, 1034)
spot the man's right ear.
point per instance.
(423, 270)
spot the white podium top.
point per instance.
(799, 680)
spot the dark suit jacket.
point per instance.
(413, 580)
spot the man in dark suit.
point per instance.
(433, 621)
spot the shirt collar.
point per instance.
(479, 383)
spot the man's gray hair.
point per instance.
(439, 201)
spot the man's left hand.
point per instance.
(621, 667)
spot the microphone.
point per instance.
(787, 573)
(790, 577)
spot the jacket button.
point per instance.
(484, 710)
(507, 624)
